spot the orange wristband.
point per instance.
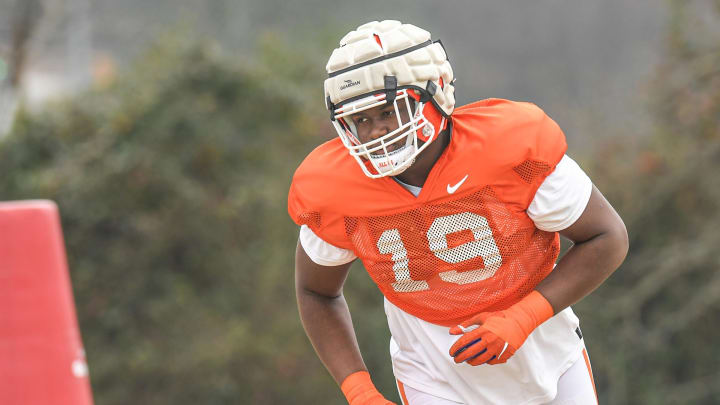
(359, 389)
(533, 310)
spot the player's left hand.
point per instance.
(493, 337)
(488, 337)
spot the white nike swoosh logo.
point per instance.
(452, 189)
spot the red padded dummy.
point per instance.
(42, 360)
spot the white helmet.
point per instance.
(390, 62)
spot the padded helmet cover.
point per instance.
(367, 55)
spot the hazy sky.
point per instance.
(585, 62)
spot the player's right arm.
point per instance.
(326, 319)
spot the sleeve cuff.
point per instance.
(576, 211)
(561, 198)
(321, 252)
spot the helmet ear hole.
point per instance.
(434, 120)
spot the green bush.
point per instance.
(172, 185)
(653, 325)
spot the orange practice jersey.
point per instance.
(465, 244)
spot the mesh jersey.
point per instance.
(465, 244)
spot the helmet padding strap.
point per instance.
(390, 89)
(430, 90)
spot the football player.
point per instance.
(455, 214)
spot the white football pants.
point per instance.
(575, 387)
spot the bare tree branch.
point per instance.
(26, 15)
(662, 268)
(698, 305)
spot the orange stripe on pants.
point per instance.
(592, 379)
(401, 388)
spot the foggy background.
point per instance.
(586, 63)
(168, 132)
